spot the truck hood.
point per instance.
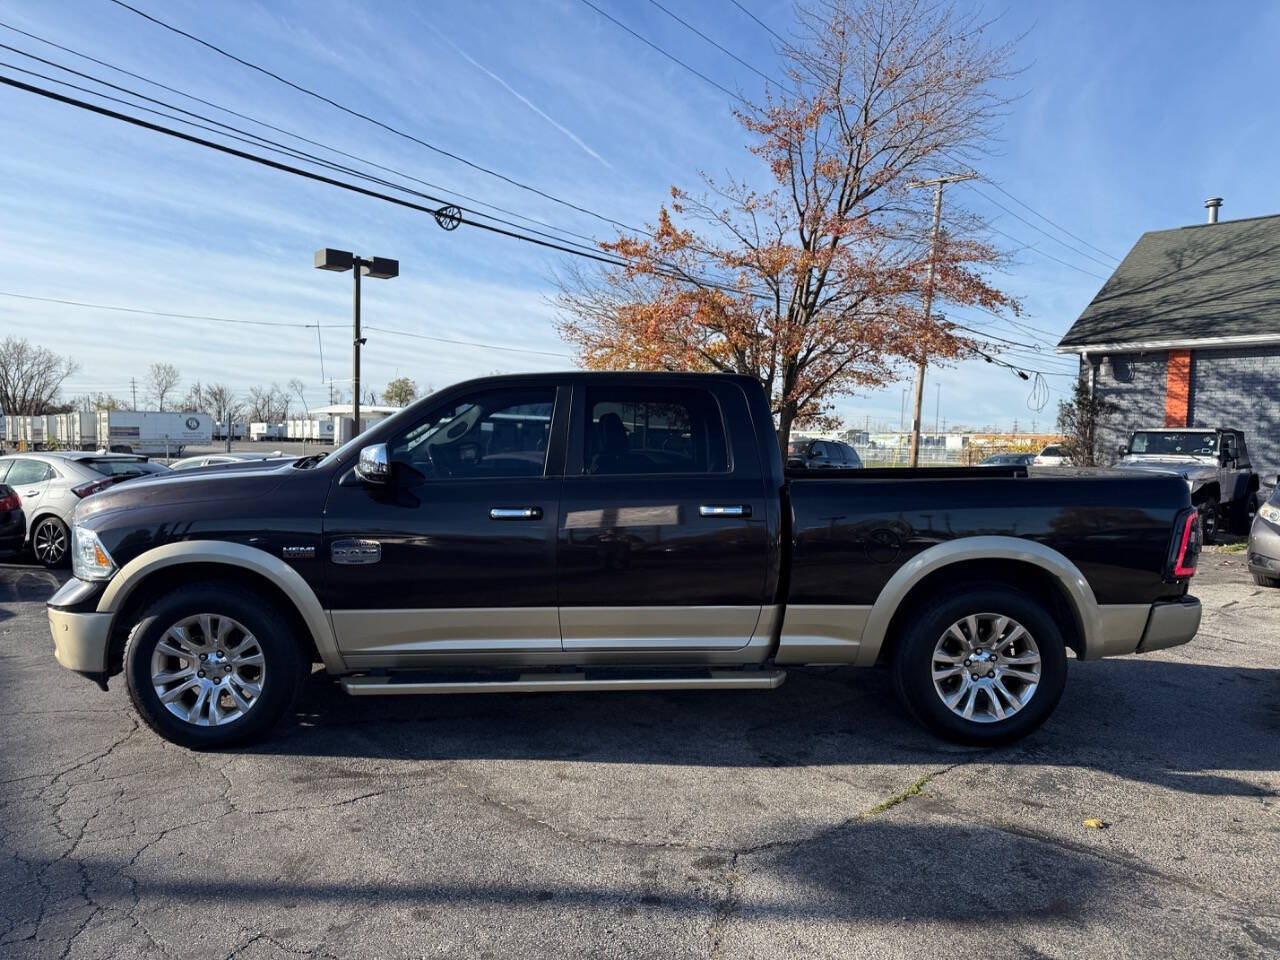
(1189, 468)
(186, 487)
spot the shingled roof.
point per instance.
(1217, 281)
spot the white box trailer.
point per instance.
(258, 430)
(313, 429)
(154, 431)
(31, 431)
(76, 431)
(221, 430)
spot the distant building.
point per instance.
(1186, 333)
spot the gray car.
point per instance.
(51, 484)
(1264, 543)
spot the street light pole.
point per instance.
(380, 268)
(937, 182)
(355, 349)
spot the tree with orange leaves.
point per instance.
(814, 283)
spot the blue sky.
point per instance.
(1129, 115)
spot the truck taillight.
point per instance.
(85, 489)
(1186, 553)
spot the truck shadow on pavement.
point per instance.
(1178, 725)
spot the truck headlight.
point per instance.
(1270, 513)
(89, 558)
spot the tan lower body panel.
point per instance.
(658, 628)
(453, 630)
(820, 633)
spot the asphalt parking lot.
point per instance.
(812, 821)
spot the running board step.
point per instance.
(367, 686)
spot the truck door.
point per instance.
(455, 554)
(662, 543)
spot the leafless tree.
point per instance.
(222, 403)
(93, 402)
(268, 404)
(162, 380)
(195, 400)
(30, 376)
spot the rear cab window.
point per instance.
(642, 430)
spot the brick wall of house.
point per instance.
(1228, 388)
(1135, 383)
(1241, 388)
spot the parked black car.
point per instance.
(822, 455)
(13, 522)
(1008, 460)
(594, 531)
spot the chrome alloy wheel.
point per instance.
(49, 542)
(986, 667)
(208, 670)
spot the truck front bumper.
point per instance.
(80, 642)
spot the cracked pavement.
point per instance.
(812, 821)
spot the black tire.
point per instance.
(51, 542)
(1242, 513)
(913, 665)
(1264, 581)
(284, 668)
(1210, 517)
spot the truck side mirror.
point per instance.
(374, 465)
(1124, 451)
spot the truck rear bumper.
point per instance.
(1144, 628)
(80, 642)
(1170, 625)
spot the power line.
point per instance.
(1047, 220)
(649, 43)
(1050, 256)
(759, 21)
(725, 50)
(1063, 243)
(288, 133)
(278, 323)
(366, 117)
(253, 139)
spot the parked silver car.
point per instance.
(1264, 543)
(51, 484)
(225, 459)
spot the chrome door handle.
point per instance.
(515, 513)
(736, 510)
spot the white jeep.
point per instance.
(1213, 462)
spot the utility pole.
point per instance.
(133, 385)
(937, 182)
(356, 341)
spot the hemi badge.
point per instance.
(298, 553)
(355, 551)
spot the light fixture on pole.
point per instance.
(938, 182)
(380, 268)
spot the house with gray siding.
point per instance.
(1186, 333)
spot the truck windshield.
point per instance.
(1165, 442)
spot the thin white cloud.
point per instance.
(521, 97)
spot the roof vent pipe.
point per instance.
(1212, 205)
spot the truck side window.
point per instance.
(643, 430)
(501, 433)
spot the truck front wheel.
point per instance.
(213, 666)
(981, 665)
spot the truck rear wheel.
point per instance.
(213, 666)
(981, 665)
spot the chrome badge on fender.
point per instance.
(355, 551)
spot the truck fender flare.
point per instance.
(275, 570)
(981, 548)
